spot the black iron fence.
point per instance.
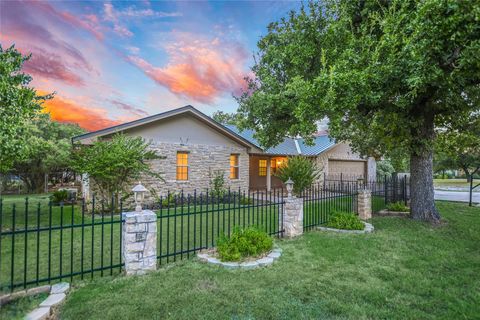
(320, 201)
(43, 243)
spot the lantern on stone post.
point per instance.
(289, 185)
(139, 192)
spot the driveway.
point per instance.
(460, 196)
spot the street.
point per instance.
(461, 196)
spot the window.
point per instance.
(234, 166)
(262, 168)
(182, 165)
(276, 163)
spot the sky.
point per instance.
(112, 62)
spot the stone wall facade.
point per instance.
(293, 217)
(139, 242)
(203, 162)
(364, 204)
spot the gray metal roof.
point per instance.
(287, 146)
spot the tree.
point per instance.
(385, 73)
(18, 104)
(301, 170)
(114, 165)
(47, 149)
(459, 148)
(227, 118)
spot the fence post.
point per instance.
(292, 214)
(139, 241)
(364, 204)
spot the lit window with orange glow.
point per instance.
(262, 168)
(182, 165)
(234, 166)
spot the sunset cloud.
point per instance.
(129, 108)
(199, 69)
(66, 110)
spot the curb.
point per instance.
(262, 262)
(368, 229)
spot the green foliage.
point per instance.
(248, 242)
(384, 168)
(397, 207)
(227, 118)
(301, 170)
(48, 148)
(115, 164)
(345, 221)
(59, 196)
(244, 200)
(459, 147)
(385, 73)
(168, 201)
(19, 103)
(217, 184)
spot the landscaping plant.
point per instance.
(248, 242)
(301, 170)
(59, 196)
(398, 207)
(345, 221)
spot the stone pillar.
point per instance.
(293, 217)
(364, 204)
(139, 242)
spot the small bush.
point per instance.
(345, 220)
(398, 207)
(302, 170)
(245, 200)
(249, 242)
(168, 201)
(59, 196)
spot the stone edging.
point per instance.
(262, 262)
(388, 213)
(57, 295)
(368, 229)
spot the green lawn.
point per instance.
(91, 245)
(404, 270)
(17, 309)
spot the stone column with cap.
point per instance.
(139, 237)
(364, 204)
(292, 213)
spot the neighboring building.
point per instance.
(195, 147)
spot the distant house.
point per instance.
(195, 146)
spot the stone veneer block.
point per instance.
(53, 300)
(274, 255)
(364, 204)
(368, 229)
(265, 261)
(249, 265)
(139, 242)
(61, 287)
(293, 217)
(38, 314)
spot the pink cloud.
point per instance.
(51, 66)
(199, 69)
(127, 107)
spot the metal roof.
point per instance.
(287, 146)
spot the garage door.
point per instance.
(345, 167)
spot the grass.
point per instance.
(18, 308)
(445, 183)
(404, 270)
(91, 245)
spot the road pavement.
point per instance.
(461, 196)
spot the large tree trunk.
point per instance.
(422, 202)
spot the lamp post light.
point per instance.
(289, 185)
(139, 192)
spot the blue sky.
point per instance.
(112, 62)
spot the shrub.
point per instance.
(398, 207)
(248, 242)
(59, 196)
(168, 201)
(345, 220)
(217, 184)
(301, 170)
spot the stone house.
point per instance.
(194, 148)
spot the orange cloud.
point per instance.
(89, 118)
(199, 69)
